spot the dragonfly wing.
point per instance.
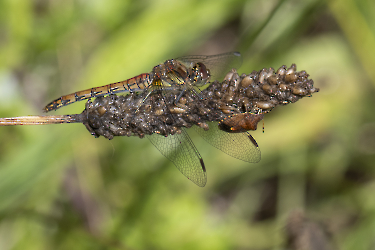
(218, 65)
(180, 150)
(238, 145)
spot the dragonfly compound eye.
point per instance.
(201, 74)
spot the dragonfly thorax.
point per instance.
(170, 73)
(174, 73)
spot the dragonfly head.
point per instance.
(201, 75)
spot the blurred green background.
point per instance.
(60, 188)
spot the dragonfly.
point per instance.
(181, 75)
(185, 73)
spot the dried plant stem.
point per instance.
(40, 120)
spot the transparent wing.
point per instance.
(180, 150)
(219, 65)
(238, 145)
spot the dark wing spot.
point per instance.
(253, 140)
(202, 164)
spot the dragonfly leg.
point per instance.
(148, 92)
(179, 96)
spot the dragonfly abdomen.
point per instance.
(134, 84)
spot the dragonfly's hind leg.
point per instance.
(176, 102)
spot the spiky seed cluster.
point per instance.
(255, 93)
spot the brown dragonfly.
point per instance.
(185, 73)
